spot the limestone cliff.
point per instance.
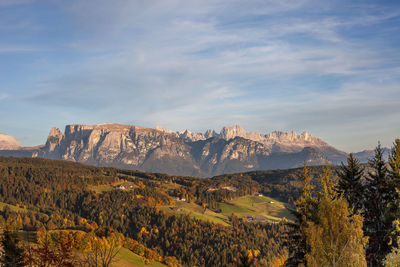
(183, 153)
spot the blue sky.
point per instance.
(331, 68)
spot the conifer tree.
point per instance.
(379, 196)
(394, 163)
(13, 254)
(305, 210)
(394, 174)
(350, 182)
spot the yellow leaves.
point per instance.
(250, 254)
(94, 242)
(144, 231)
(279, 261)
(171, 261)
(140, 184)
(151, 201)
(82, 221)
(253, 253)
(336, 237)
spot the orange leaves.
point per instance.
(152, 201)
(279, 261)
(253, 253)
(82, 221)
(144, 231)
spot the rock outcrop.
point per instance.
(185, 152)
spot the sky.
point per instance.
(331, 68)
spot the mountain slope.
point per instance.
(8, 142)
(186, 153)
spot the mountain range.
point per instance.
(180, 153)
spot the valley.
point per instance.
(161, 219)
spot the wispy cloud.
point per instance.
(202, 64)
(3, 96)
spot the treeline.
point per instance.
(284, 185)
(353, 220)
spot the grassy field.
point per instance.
(257, 206)
(126, 258)
(267, 207)
(104, 188)
(197, 212)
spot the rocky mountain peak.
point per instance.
(55, 132)
(54, 139)
(210, 134)
(232, 132)
(8, 142)
(161, 150)
(162, 129)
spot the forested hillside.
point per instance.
(59, 195)
(65, 210)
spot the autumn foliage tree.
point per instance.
(102, 250)
(327, 232)
(51, 251)
(335, 238)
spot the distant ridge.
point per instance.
(8, 142)
(182, 153)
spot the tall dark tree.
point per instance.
(304, 212)
(394, 174)
(350, 181)
(379, 195)
(13, 254)
(394, 163)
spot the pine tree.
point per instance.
(350, 181)
(305, 210)
(394, 163)
(379, 196)
(13, 254)
(394, 174)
